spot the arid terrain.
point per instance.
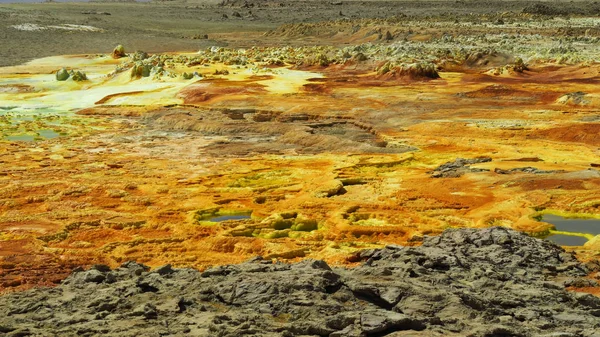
(292, 130)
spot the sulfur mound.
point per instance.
(118, 52)
(62, 75)
(78, 76)
(467, 282)
(415, 71)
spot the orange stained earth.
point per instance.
(316, 162)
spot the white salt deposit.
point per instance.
(32, 27)
(29, 27)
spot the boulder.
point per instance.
(118, 52)
(78, 76)
(62, 75)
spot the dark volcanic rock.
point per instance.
(467, 282)
(527, 169)
(457, 168)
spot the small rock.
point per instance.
(134, 265)
(147, 310)
(95, 276)
(164, 270)
(118, 52)
(62, 75)
(313, 264)
(78, 76)
(100, 267)
(150, 283)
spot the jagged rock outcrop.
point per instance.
(467, 282)
(458, 167)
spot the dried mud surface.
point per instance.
(466, 282)
(357, 133)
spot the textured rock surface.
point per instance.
(467, 282)
(458, 167)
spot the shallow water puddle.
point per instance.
(45, 134)
(567, 240)
(587, 226)
(571, 232)
(229, 217)
(48, 134)
(21, 138)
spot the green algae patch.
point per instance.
(21, 138)
(31, 137)
(29, 125)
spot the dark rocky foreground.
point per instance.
(491, 282)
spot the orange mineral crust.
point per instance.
(299, 161)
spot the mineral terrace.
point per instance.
(312, 140)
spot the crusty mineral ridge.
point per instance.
(330, 150)
(467, 282)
